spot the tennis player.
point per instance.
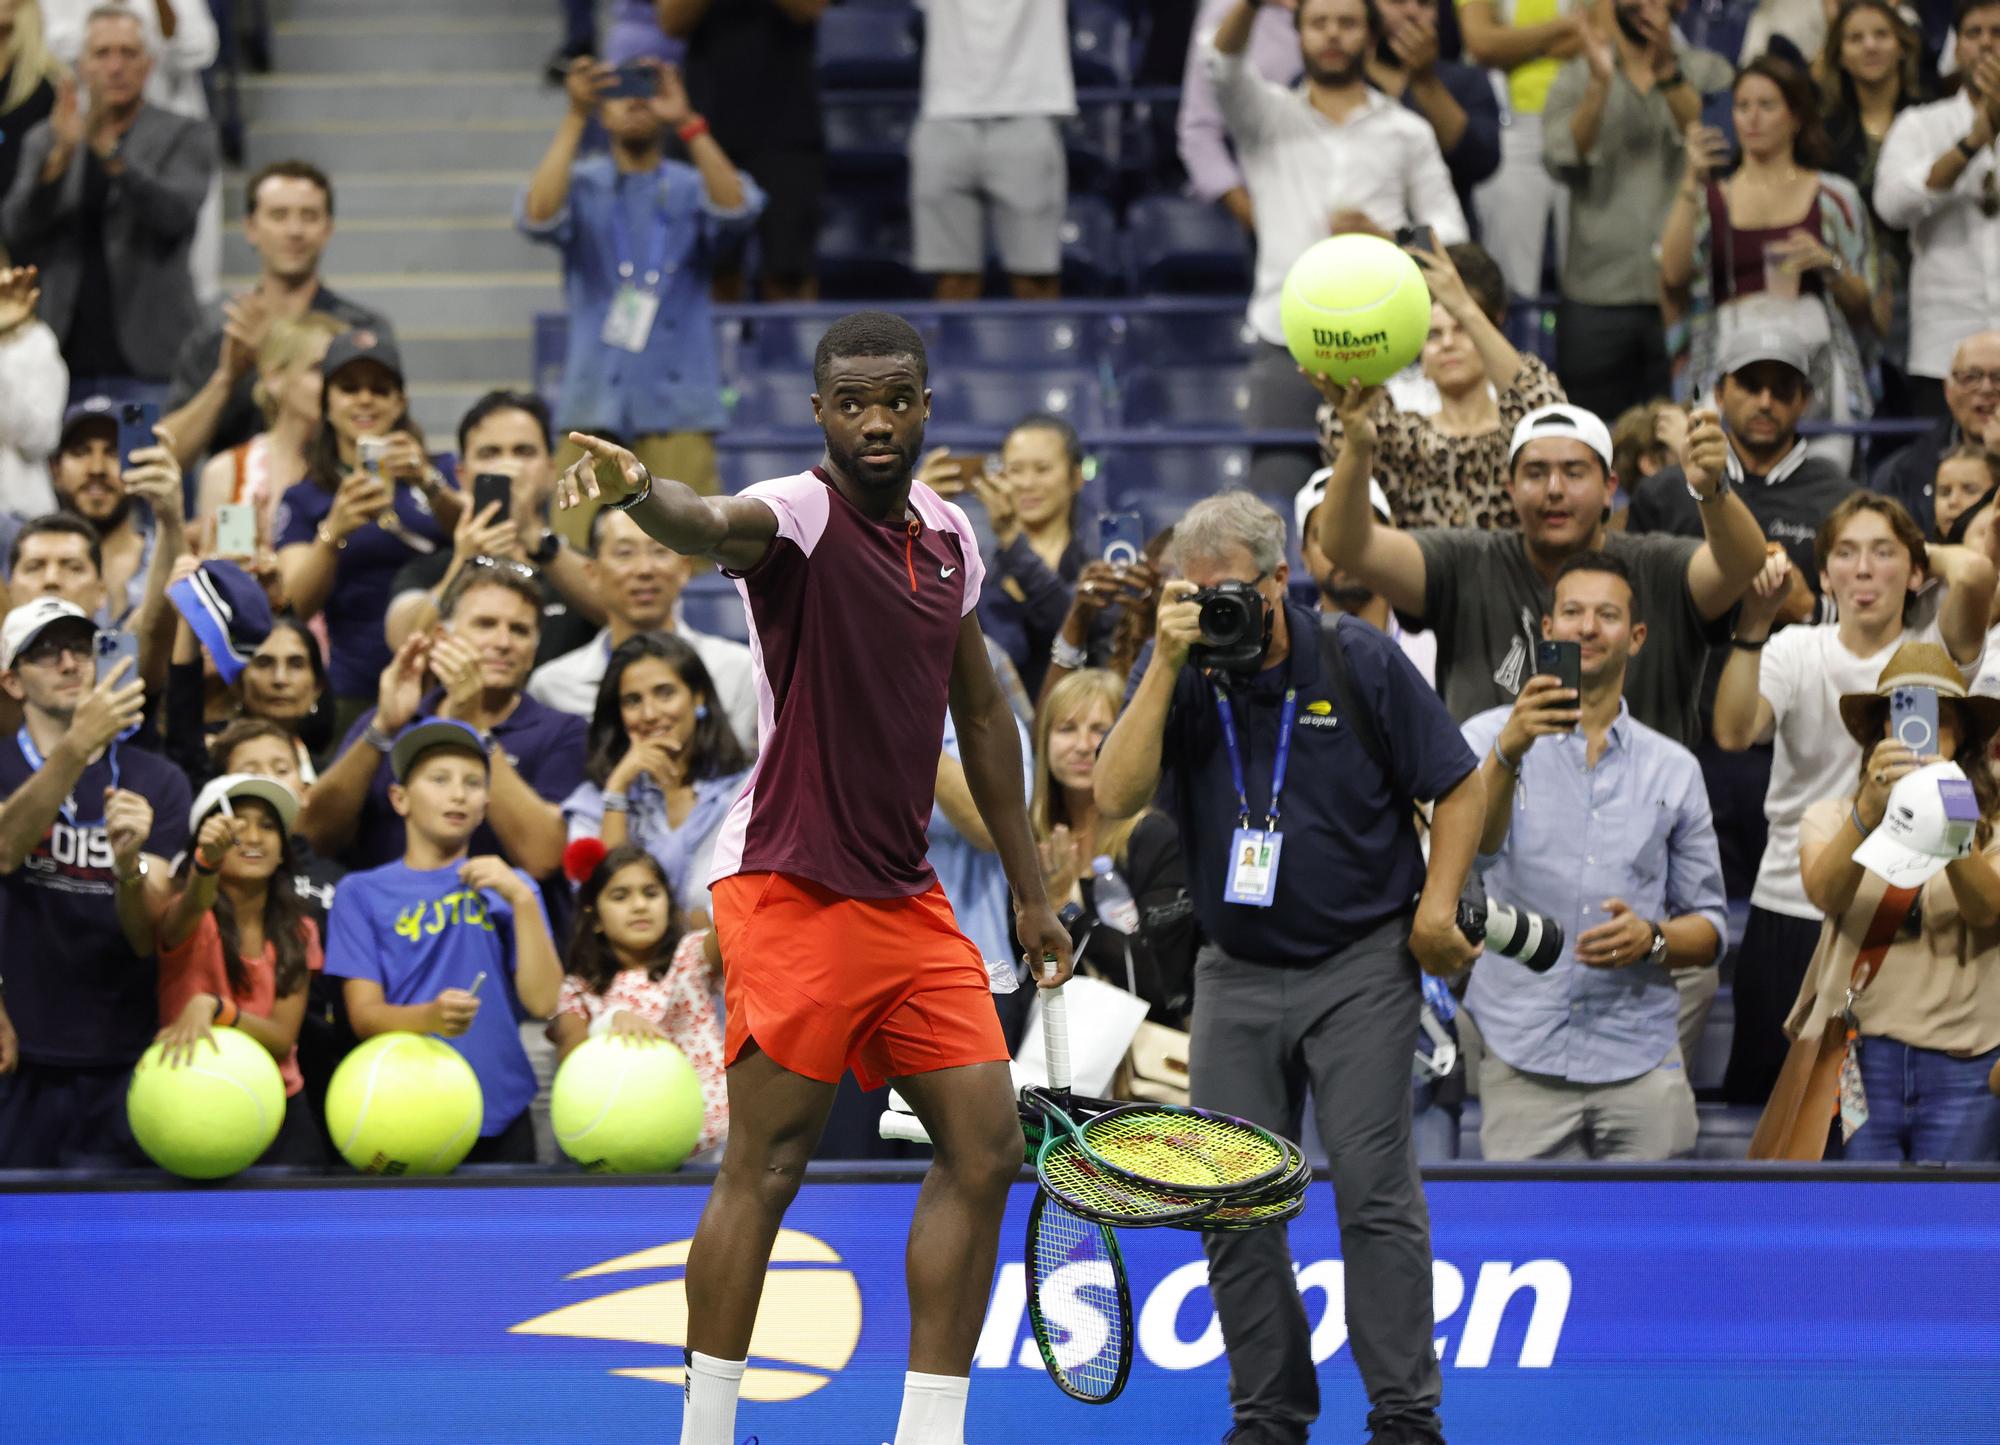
(839, 949)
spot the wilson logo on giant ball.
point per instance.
(1349, 340)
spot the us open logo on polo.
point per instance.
(1318, 715)
(808, 1324)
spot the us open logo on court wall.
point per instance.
(807, 1326)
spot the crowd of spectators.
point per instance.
(313, 709)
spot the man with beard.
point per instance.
(862, 586)
(1340, 594)
(1333, 155)
(1612, 133)
(89, 484)
(1971, 396)
(288, 223)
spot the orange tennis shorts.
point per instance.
(824, 983)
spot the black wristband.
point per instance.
(203, 869)
(1744, 644)
(1668, 82)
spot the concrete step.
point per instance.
(361, 245)
(462, 357)
(503, 95)
(283, 11)
(398, 194)
(499, 299)
(319, 45)
(402, 142)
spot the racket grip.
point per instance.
(1055, 1037)
(906, 1127)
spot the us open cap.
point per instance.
(1929, 823)
(1563, 420)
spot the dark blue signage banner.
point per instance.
(1617, 1311)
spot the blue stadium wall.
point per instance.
(1642, 1308)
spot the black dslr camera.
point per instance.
(1235, 628)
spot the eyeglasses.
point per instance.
(45, 650)
(1972, 378)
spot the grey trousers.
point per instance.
(1346, 1028)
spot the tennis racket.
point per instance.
(1079, 1303)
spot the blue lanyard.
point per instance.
(1286, 716)
(34, 756)
(621, 240)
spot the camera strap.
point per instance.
(1333, 657)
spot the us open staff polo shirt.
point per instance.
(1350, 859)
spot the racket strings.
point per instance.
(1187, 1150)
(1075, 1284)
(1091, 1189)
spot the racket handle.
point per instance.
(906, 1127)
(1055, 1037)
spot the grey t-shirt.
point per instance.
(1485, 602)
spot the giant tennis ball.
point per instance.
(404, 1104)
(210, 1117)
(624, 1107)
(1355, 306)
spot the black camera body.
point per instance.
(1235, 628)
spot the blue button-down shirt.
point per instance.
(1637, 827)
(675, 384)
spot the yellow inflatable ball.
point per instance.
(211, 1116)
(404, 1104)
(624, 1106)
(1355, 307)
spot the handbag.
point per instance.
(1802, 1106)
(1155, 1069)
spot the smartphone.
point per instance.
(236, 530)
(113, 645)
(634, 82)
(1417, 238)
(1563, 661)
(1121, 537)
(1913, 719)
(371, 450)
(136, 420)
(972, 464)
(491, 487)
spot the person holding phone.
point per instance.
(128, 490)
(1602, 824)
(1928, 1022)
(1785, 687)
(640, 236)
(414, 938)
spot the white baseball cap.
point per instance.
(30, 620)
(283, 801)
(1314, 492)
(1562, 420)
(1929, 822)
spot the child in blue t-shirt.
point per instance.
(411, 939)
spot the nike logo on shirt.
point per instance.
(946, 572)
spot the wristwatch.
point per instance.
(1658, 952)
(138, 874)
(544, 551)
(1723, 487)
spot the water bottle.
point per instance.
(1116, 908)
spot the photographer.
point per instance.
(1602, 824)
(1310, 976)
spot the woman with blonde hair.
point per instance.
(262, 469)
(1144, 938)
(28, 84)
(1916, 967)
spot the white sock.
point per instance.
(710, 1414)
(933, 1410)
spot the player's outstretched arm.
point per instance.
(734, 531)
(989, 746)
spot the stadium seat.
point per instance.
(1001, 337)
(865, 255)
(710, 604)
(1093, 251)
(867, 148)
(769, 399)
(741, 466)
(1162, 338)
(551, 350)
(782, 341)
(1186, 396)
(1532, 328)
(1162, 482)
(1093, 144)
(1178, 244)
(966, 397)
(869, 47)
(1100, 43)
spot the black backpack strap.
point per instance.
(1333, 657)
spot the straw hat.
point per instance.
(1914, 664)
